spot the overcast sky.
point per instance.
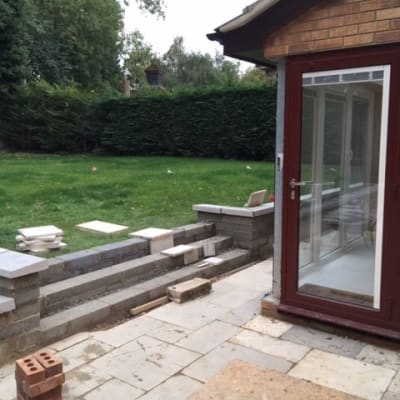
(192, 19)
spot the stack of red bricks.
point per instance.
(39, 377)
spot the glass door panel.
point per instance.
(344, 133)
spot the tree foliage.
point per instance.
(12, 49)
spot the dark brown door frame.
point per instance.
(386, 321)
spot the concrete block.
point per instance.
(189, 290)
(27, 296)
(19, 327)
(6, 304)
(81, 261)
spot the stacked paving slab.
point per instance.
(40, 239)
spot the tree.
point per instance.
(12, 51)
(258, 76)
(138, 56)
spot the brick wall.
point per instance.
(337, 24)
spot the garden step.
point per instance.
(115, 306)
(86, 261)
(72, 291)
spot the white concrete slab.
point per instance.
(268, 326)
(350, 376)
(146, 362)
(35, 232)
(380, 356)
(395, 385)
(6, 304)
(209, 337)
(214, 261)
(177, 250)
(207, 366)
(15, 265)
(102, 227)
(114, 389)
(70, 341)
(169, 333)
(152, 233)
(7, 388)
(275, 347)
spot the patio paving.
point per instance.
(172, 351)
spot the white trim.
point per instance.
(381, 185)
(344, 71)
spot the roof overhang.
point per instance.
(244, 36)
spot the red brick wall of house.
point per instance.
(337, 24)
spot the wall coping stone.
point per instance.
(6, 304)
(249, 212)
(16, 265)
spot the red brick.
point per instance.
(328, 23)
(389, 13)
(359, 18)
(328, 44)
(375, 26)
(52, 364)
(368, 5)
(29, 370)
(359, 39)
(387, 37)
(345, 9)
(395, 24)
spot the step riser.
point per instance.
(82, 262)
(120, 276)
(115, 306)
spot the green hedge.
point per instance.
(226, 123)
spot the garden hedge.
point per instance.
(225, 123)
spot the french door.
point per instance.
(338, 188)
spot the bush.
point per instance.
(226, 123)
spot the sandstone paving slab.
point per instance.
(390, 396)
(8, 388)
(81, 380)
(7, 369)
(83, 353)
(114, 389)
(39, 231)
(242, 314)
(70, 341)
(324, 341)
(145, 362)
(190, 315)
(128, 331)
(275, 347)
(101, 227)
(257, 277)
(177, 387)
(207, 366)
(244, 381)
(236, 298)
(380, 356)
(169, 333)
(208, 337)
(395, 385)
(348, 375)
(268, 326)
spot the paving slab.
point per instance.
(7, 369)
(324, 341)
(70, 341)
(81, 380)
(83, 353)
(236, 298)
(191, 315)
(244, 381)
(268, 326)
(178, 387)
(102, 227)
(350, 376)
(39, 231)
(395, 385)
(128, 331)
(207, 366)
(208, 337)
(390, 396)
(8, 388)
(146, 362)
(380, 356)
(169, 333)
(114, 389)
(242, 314)
(275, 347)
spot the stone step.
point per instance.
(86, 261)
(115, 306)
(72, 291)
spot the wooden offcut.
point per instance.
(189, 290)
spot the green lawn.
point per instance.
(134, 191)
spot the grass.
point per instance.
(135, 191)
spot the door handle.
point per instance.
(293, 183)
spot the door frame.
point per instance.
(385, 321)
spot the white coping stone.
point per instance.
(37, 231)
(267, 208)
(214, 260)
(6, 304)
(101, 227)
(177, 250)
(15, 265)
(152, 233)
(3, 250)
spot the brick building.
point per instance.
(337, 210)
